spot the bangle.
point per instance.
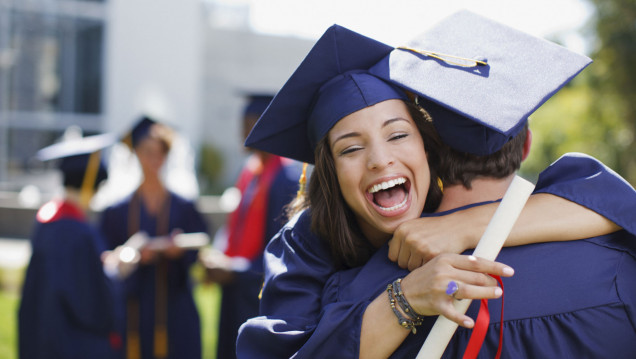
(404, 304)
(402, 321)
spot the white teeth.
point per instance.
(397, 206)
(386, 185)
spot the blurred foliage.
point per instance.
(565, 124)
(613, 76)
(596, 113)
(210, 168)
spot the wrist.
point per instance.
(406, 316)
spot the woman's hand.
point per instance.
(417, 241)
(426, 287)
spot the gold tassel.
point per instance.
(90, 175)
(440, 184)
(302, 182)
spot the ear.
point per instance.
(526, 145)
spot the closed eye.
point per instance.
(349, 150)
(398, 136)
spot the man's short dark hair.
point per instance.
(462, 168)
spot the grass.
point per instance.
(207, 298)
(8, 325)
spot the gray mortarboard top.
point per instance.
(480, 79)
(330, 83)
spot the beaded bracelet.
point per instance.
(404, 304)
(402, 321)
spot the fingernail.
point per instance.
(468, 323)
(498, 291)
(472, 258)
(508, 271)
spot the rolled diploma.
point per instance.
(488, 247)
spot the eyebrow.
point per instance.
(356, 134)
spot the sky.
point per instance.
(396, 21)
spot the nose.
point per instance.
(379, 158)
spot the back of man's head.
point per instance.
(461, 168)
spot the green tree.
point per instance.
(613, 76)
(596, 113)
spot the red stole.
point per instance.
(246, 225)
(58, 209)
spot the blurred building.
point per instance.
(51, 74)
(98, 64)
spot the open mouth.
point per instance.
(390, 195)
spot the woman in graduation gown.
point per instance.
(68, 304)
(161, 318)
(301, 314)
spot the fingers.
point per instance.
(452, 314)
(476, 264)
(394, 249)
(415, 261)
(404, 258)
(470, 291)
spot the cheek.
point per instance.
(423, 175)
(347, 181)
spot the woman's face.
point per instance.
(381, 166)
(152, 155)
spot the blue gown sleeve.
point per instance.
(585, 180)
(189, 220)
(85, 292)
(297, 266)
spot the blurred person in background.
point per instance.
(68, 305)
(161, 319)
(267, 183)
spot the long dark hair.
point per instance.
(331, 217)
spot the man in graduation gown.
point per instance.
(267, 183)
(67, 308)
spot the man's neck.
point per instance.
(482, 190)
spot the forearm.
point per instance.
(547, 218)
(381, 334)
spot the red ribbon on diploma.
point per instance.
(481, 327)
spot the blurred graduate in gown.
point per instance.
(161, 319)
(267, 183)
(67, 309)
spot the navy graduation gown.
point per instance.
(567, 300)
(239, 300)
(183, 327)
(294, 319)
(67, 306)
